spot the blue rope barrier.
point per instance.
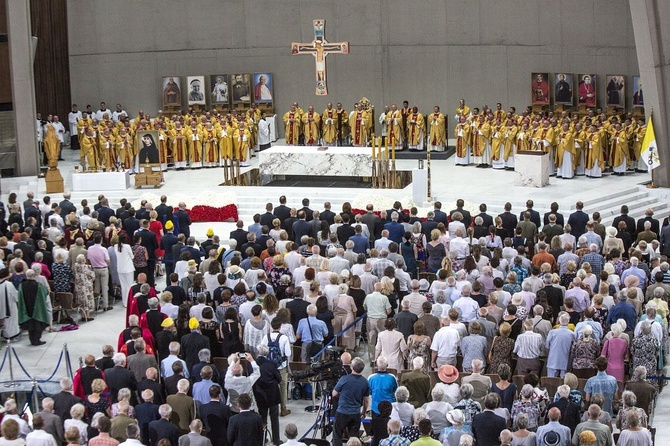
(21, 365)
(338, 335)
(4, 358)
(60, 358)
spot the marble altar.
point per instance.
(309, 161)
(532, 169)
(100, 181)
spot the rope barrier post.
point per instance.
(68, 362)
(36, 402)
(12, 383)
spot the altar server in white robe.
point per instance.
(382, 121)
(9, 311)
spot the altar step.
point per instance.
(412, 155)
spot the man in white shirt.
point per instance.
(415, 299)
(403, 277)
(100, 114)
(40, 437)
(72, 118)
(291, 433)
(11, 413)
(292, 258)
(459, 245)
(384, 242)
(286, 352)
(467, 306)
(528, 347)
(196, 310)
(444, 346)
(118, 113)
(368, 279)
(132, 436)
(337, 262)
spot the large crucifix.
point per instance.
(320, 48)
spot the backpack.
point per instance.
(274, 351)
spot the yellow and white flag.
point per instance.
(649, 152)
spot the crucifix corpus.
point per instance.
(320, 48)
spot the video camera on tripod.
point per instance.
(329, 370)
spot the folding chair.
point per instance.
(67, 303)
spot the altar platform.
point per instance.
(100, 181)
(310, 161)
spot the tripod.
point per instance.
(322, 422)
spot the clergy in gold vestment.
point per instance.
(311, 124)
(124, 147)
(566, 153)
(108, 149)
(51, 147)
(225, 139)
(593, 156)
(394, 131)
(359, 129)
(88, 149)
(178, 139)
(211, 149)
(462, 110)
(416, 129)
(329, 125)
(243, 144)
(619, 150)
(523, 140)
(637, 144)
(437, 136)
(162, 144)
(481, 142)
(498, 145)
(194, 145)
(292, 126)
(344, 127)
(463, 135)
(509, 142)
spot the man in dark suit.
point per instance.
(440, 217)
(302, 227)
(176, 248)
(630, 221)
(192, 250)
(467, 219)
(239, 234)
(146, 413)
(345, 231)
(34, 211)
(26, 248)
(148, 240)
(534, 215)
(266, 390)
(66, 206)
(163, 428)
(105, 212)
(327, 214)
(266, 219)
(578, 220)
(397, 207)
(297, 307)
(396, 230)
(648, 216)
(554, 210)
(428, 225)
(509, 220)
(98, 205)
(121, 209)
(569, 410)
(131, 224)
(119, 377)
(64, 400)
(287, 224)
(192, 343)
(282, 212)
(245, 428)
(164, 211)
(251, 243)
(487, 219)
(215, 416)
(184, 220)
(487, 426)
(170, 383)
(150, 382)
(305, 208)
(168, 240)
(373, 222)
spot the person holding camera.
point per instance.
(236, 383)
(353, 393)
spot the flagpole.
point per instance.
(652, 185)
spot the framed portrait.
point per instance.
(563, 88)
(171, 91)
(218, 87)
(638, 98)
(262, 88)
(241, 87)
(539, 89)
(147, 142)
(587, 92)
(196, 90)
(616, 90)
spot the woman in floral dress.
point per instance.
(418, 344)
(83, 284)
(501, 348)
(645, 351)
(419, 241)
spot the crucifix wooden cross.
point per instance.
(320, 48)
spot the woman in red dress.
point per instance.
(157, 228)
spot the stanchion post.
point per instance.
(10, 350)
(36, 401)
(68, 363)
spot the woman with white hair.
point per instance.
(437, 405)
(611, 241)
(522, 435)
(527, 406)
(469, 406)
(83, 285)
(391, 345)
(584, 352)
(402, 409)
(635, 434)
(644, 349)
(77, 413)
(616, 352)
(411, 432)
(332, 288)
(344, 309)
(629, 401)
(123, 395)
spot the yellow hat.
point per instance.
(210, 232)
(193, 323)
(167, 322)
(192, 262)
(169, 226)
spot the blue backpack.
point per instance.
(274, 351)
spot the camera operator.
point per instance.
(354, 398)
(266, 390)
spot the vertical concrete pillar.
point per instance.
(650, 17)
(23, 86)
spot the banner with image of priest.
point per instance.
(241, 88)
(616, 90)
(171, 91)
(218, 86)
(563, 89)
(262, 88)
(539, 89)
(196, 89)
(638, 96)
(587, 91)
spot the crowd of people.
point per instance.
(547, 330)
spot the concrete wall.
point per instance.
(428, 52)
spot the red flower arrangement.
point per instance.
(200, 213)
